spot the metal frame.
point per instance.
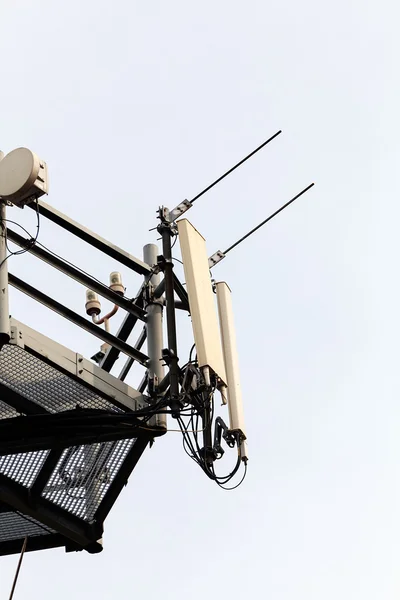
(78, 275)
(170, 354)
(178, 289)
(77, 367)
(52, 516)
(92, 446)
(37, 542)
(129, 362)
(91, 238)
(123, 333)
(69, 530)
(72, 316)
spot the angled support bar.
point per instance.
(19, 402)
(38, 542)
(68, 525)
(129, 362)
(181, 293)
(143, 384)
(178, 288)
(78, 275)
(123, 333)
(160, 289)
(45, 472)
(123, 475)
(91, 238)
(78, 427)
(72, 316)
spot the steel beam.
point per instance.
(129, 362)
(122, 478)
(91, 238)
(20, 403)
(123, 333)
(120, 346)
(44, 511)
(77, 274)
(37, 542)
(172, 358)
(71, 428)
(45, 472)
(178, 288)
(143, 384)
(181, 292)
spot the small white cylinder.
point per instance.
(116, 283)
(92, 306)
(206, 375)
(223, 390)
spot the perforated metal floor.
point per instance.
(15, 526)
(59, 497)
(43, 384)
(83, 475)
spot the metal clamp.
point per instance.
(16, 337)
(215, 258)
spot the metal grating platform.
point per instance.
(23, 468)
(60, 496)
(83, 474)
(43, 385)
(15, 526)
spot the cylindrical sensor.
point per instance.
(116, 284)
(93, 306)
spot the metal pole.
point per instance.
(154, 325)
(4, 310)
(171, 323)
(18, 568)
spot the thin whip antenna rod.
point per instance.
(235, 167)
(269, 218)
(18, 568)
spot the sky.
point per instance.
(133, 105)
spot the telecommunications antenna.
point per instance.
(71, 428)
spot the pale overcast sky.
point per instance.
(133, 105)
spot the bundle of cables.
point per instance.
(197, 417)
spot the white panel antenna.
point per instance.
(231, 357)
(23, 177)
(201, 300)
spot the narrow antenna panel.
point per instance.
(228, 334)
(201, 299)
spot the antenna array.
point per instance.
(70, 431)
